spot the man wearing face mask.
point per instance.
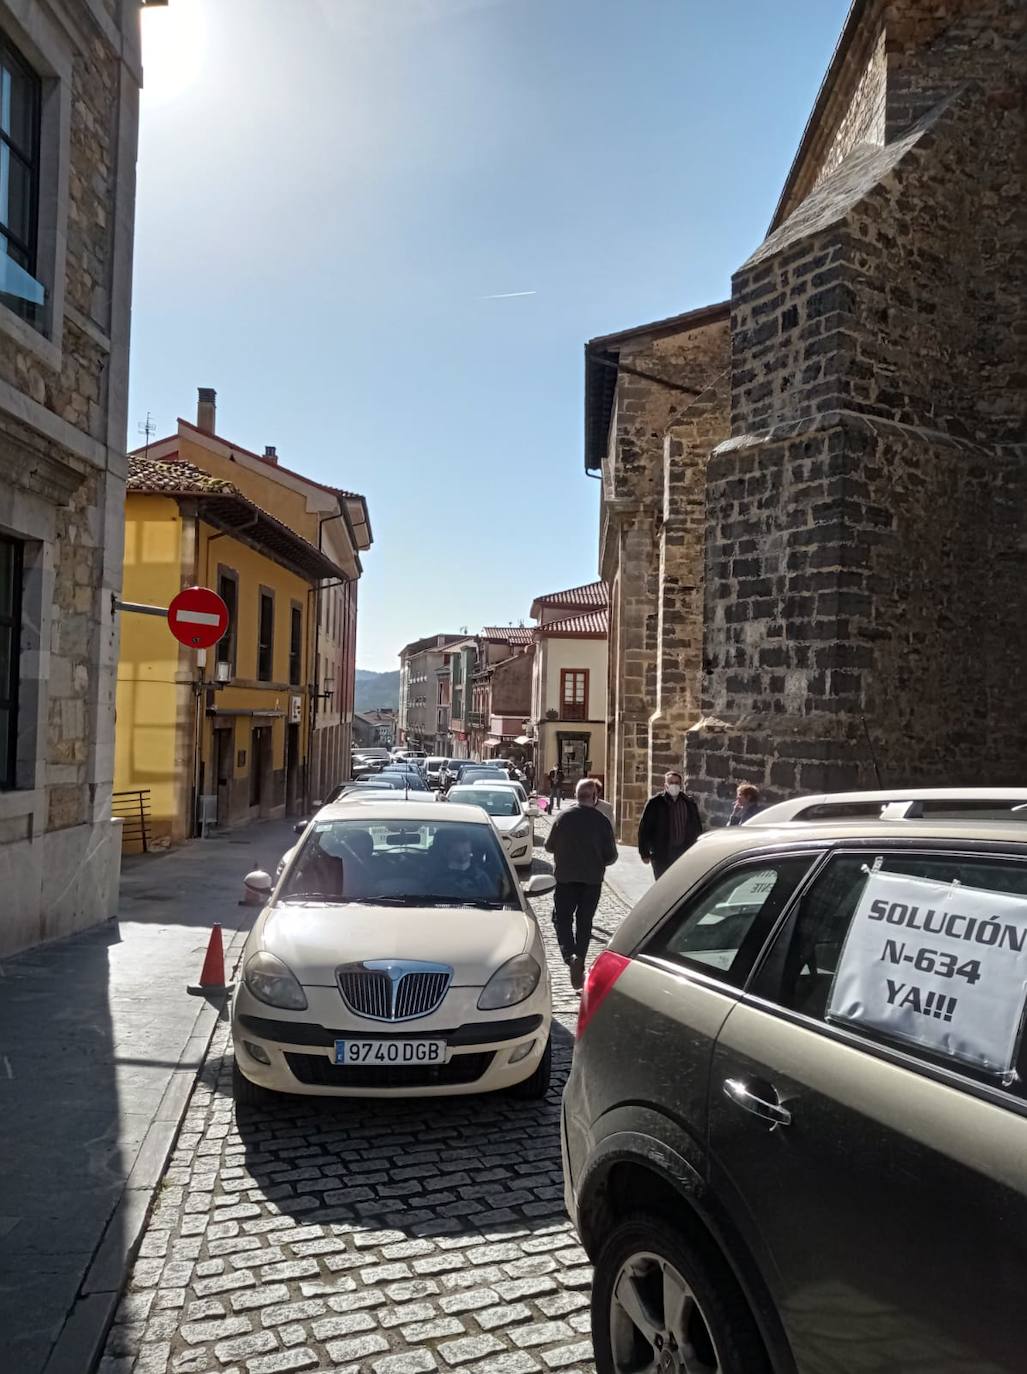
(670, 824)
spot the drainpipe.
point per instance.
(312, 719)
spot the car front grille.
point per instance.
(393, 990)
(317, 1070)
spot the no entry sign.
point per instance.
(198, 617)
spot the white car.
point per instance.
(396, 957)
(516, 829)
(516, 787)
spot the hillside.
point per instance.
(377, 689)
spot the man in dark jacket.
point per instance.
(670, 824)
(582, 845)
(555, 789)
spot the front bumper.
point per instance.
(301, 1046)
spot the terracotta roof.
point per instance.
(225, 506)
(271, 463)
(508, 634)
(173, 478)
(593, 624)
(590, 594)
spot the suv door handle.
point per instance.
(736, 1091)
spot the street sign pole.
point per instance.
(198, 619)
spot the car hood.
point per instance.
(507, 824)
(314, 940)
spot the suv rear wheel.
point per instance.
(661, 1304)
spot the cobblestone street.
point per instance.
(347, 1236)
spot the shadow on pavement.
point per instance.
(363, 1162)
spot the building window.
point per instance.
(266, 638)
(295, 645)
(10, 653)
(228, 590)
(574, 694)
(19, 182)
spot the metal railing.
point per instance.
(133, 810)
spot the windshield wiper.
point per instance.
(312, 897)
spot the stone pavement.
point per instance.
(99, 1050)
(364, 1237)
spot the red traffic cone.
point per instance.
(212, 976)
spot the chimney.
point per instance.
(206, 409)
(271, 453)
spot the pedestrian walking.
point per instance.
(555, 788)
(529, 776)
(670, 824)
(582, 845)
(747, 803)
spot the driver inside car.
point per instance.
(457, 872)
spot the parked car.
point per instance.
(516, 829)
(481, 772)
(399, 754)
(397, 956)
(909, 803)
(365, 766)
(517, 788)
(405, 774)
(433, 770)
(798, 1101)
(453, 772)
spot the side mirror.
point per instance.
(539, 884)
(257, 887)
(317, 804)
(300, 826)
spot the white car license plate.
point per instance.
(376, 1052)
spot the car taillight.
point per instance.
(605, 972)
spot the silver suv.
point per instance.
(795, 1129)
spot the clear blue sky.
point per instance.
(329, 190)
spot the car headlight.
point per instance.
(270, 981)
(521, 832)
(516, 980)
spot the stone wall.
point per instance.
(63, 390)
(866, 532)
(652, 548)
(864, 117)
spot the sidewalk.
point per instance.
(99, 1048)
(629, 877)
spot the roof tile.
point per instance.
(590, 594)
(591, 623)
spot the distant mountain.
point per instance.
(377, 689)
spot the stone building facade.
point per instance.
(70, 126)
(422, 664)
(863, 547)
(656, 403)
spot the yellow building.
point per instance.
(230, 741)
(336, 522)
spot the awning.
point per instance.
(524, 739)
(492, 740)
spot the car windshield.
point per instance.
(496, 801)
(400, 863)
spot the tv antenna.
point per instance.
(149, 428)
